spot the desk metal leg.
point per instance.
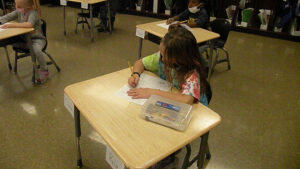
(140, 48)
(64, 16)
(7, 56)
(109, 17)
(203, 150)
(92, 23)
(78, 134)
(211, 49)
(35, 74)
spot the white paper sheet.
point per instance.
(146, 81)
(164, 25)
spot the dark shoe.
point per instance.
(102, 28)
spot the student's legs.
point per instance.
(114, 4)
(37, 46)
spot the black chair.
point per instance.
(82, 17)
(24, 52)
(222, 27)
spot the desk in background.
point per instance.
(137, 142)
(154, 33)
(12, 32)
(89, 6)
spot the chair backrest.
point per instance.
(44, 27)
(222, 27)
(208, 92)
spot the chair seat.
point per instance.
(219, 43)
(86, 15)
(21, 50)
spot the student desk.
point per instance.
(11, 32)
(90, 4)
(137, 142)
(154, 33)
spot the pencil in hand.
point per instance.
(130, 67)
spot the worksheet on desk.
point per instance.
(146, 81)
(164, 25)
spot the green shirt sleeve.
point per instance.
(151, 62)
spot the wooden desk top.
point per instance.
(88, 1)
(137, 142)
(201, 35)
(11, 32)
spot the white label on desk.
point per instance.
(63, 2)
(244, 24)
(84, 5)
(113, 160)
(140, 33)
(69, 105)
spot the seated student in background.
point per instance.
(114, 5)
(27, 18)
(196, 15)
(178, 62)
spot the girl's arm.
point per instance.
(144, 93)
(9, 17)
(134, 78)
(17, 25)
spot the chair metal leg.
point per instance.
(52, 60)
(186, 161)
(7, 57)
(76, 24)
(216, 60)
(207, 154)
(227, 56)
(82, 20)
(87, 23)
(16, 62)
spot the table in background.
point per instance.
(155, 33)
(90, 7)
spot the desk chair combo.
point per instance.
(222, 27)
(24, 52)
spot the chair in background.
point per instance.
(24, 52)
(82, 17)
(222, 27)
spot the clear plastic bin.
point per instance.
(167, 112)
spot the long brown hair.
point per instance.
(181, 49)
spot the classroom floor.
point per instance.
(258, 99)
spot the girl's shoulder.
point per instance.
(192, 75)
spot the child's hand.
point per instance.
(140, 93)
(5, 26)
(133, 80)
(170, 20)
